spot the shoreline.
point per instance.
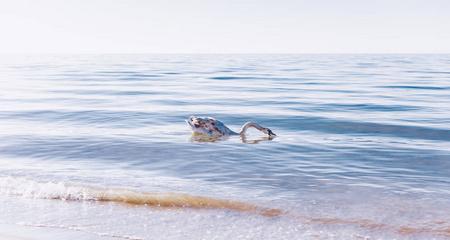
(24, 232)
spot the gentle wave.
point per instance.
(134, 119)
(14, 186)
(418, 87)
(74, 192)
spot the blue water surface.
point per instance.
(347, 125)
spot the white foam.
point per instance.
(184, 216)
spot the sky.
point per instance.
(224, 26)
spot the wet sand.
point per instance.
(20, 232)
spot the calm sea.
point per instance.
(362, 152)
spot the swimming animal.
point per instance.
(215, 128)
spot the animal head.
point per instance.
(268, 132)
(208, 126)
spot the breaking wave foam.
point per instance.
(73, 192)
(14, 186)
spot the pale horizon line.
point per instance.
(221, 53)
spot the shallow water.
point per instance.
(362, 152)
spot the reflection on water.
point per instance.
(359, 138)
(247, 140)
(205, 138)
